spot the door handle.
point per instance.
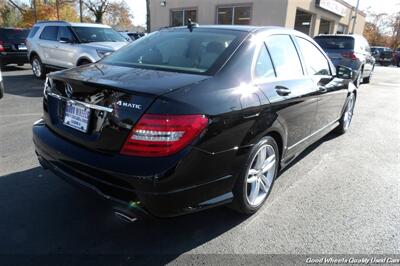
(282, 91)
(323, 89)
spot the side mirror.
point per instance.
(65, 40)
(343, 72)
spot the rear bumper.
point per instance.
(182, 190)
(14, 58)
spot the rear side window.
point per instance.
(335, 42)
(49, 33)
(284, 56)
(33, 32)
(315, 61)
(264, 67)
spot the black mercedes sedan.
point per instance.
(187, 119)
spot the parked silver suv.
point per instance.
(60, 44)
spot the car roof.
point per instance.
(340, 35)
(73, 24)
(248, 29)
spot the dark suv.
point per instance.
(351, 51)
(382, 55)
(12, 46)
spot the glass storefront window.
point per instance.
(324, 26)
(180, 17)
(303, 22)
(234, 15)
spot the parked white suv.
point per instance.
(60, 44)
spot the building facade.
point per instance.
(312, 17)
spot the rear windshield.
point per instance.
(13, 35)
(97, 34)
(335, 42)
(179, 50)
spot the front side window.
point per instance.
(316, 62)
(177, 50)
(284, 56)
(234, 15)
(49, 33)
(180, 17)
(65, 33)
(97, 34)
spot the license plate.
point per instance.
(77, 116)
(22, 47)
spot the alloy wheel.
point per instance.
(260, 175)
(36, 67)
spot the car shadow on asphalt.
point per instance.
(14, 68)
(43, 215)
(23, 85)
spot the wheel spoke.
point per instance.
(267, 181)
(255, 189)
(269, 163)
(263, 186)
(261, 158)
(252, 179)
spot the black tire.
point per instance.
(38, 69)
(344, 125)
(240, 202)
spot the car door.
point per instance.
(331, 92)
(369, 59)
(65, 50)
(292, 96)
(48, 45)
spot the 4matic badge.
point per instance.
(129, 105)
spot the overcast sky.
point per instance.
(138, 7)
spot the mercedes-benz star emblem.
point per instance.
(68, 90)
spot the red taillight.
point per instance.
(163, 135)
(350, 55)
(1, 46)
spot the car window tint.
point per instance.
(49, 33)
(315, 61)
(335, 42)
(13, 35)
(178, 50)
(284, 56)
(65, 32)
(33, 31)
(264, 67)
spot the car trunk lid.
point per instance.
(108, 100)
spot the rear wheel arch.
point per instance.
(278, 139)
(82, 60)
(32, 54)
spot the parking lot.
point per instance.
(341, 197)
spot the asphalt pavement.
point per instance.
(341, 197)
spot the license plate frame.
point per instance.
(77, 116)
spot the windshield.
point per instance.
(335, 42)
(178, 50)
(13, 35)
(97, 34)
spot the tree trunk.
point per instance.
(99, 17)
